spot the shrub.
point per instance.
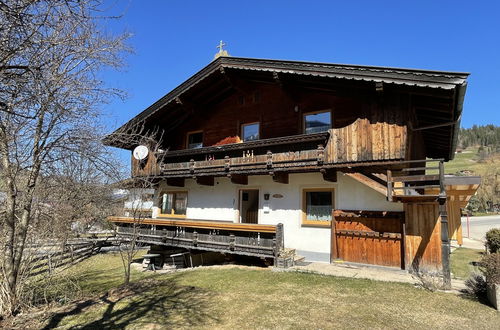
(476, 285)
(490, 266)
(493, 240)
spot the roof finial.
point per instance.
(222, 51)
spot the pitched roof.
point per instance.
(388, 75)
(439, 80)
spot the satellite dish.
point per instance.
(141, 152)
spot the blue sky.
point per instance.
(174, 39)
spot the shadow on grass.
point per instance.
(144, 303)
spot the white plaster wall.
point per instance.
(135, 201)
(220, 202)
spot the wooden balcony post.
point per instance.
(321, 154)
(389, 185)
(232, 242)
(269, 161)
(191, 166)
(195, 238)
(442, 190)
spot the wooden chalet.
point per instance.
(334, 161)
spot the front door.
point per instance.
(249, 205)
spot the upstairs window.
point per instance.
(173, 203)
(317, 122)
(195, 140)
(250, 132)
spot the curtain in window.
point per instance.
(319, 205)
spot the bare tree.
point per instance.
(139, 207)
(51, 54)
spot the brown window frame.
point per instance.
(304, 114)
(315, 223)
(247, 124)
(194, 132)
(172, 214)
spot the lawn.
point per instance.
(232, 297)
(461, 262)
(468, 160)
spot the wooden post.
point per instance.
(191, 166)
(232, 242)
(389, 185)
(402, 243)
(334, 249)
(445, 243)
(321, 154)
(442, 191)
(269, 161)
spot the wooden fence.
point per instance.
(49, 260)
(369, 237)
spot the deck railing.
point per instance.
(421, 180)
(227, 237)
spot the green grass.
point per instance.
(461, 262)
(242, 298)
(466, 160)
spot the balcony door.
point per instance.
(249, 206)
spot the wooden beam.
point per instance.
(329, 175)
(238, 178)
(222, 225)
(175, 182)
(280, 177)
(205, 180)
(369, 182)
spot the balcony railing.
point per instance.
(364, 140)
(226, 237)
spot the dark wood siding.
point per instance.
(278, 113)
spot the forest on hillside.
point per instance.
(486, 136)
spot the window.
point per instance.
(250, 132)
(195, 140)
(317, 207)
(173, 204)
(317, 122)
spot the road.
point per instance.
(480, 225)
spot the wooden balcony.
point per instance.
(361, 142)
(421, 181)
(226, 237)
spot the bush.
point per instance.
(476, 286)
(493, 240)
(490, 266)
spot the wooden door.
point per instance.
(249, 206)
(369, 237)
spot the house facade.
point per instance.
(332, 161)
